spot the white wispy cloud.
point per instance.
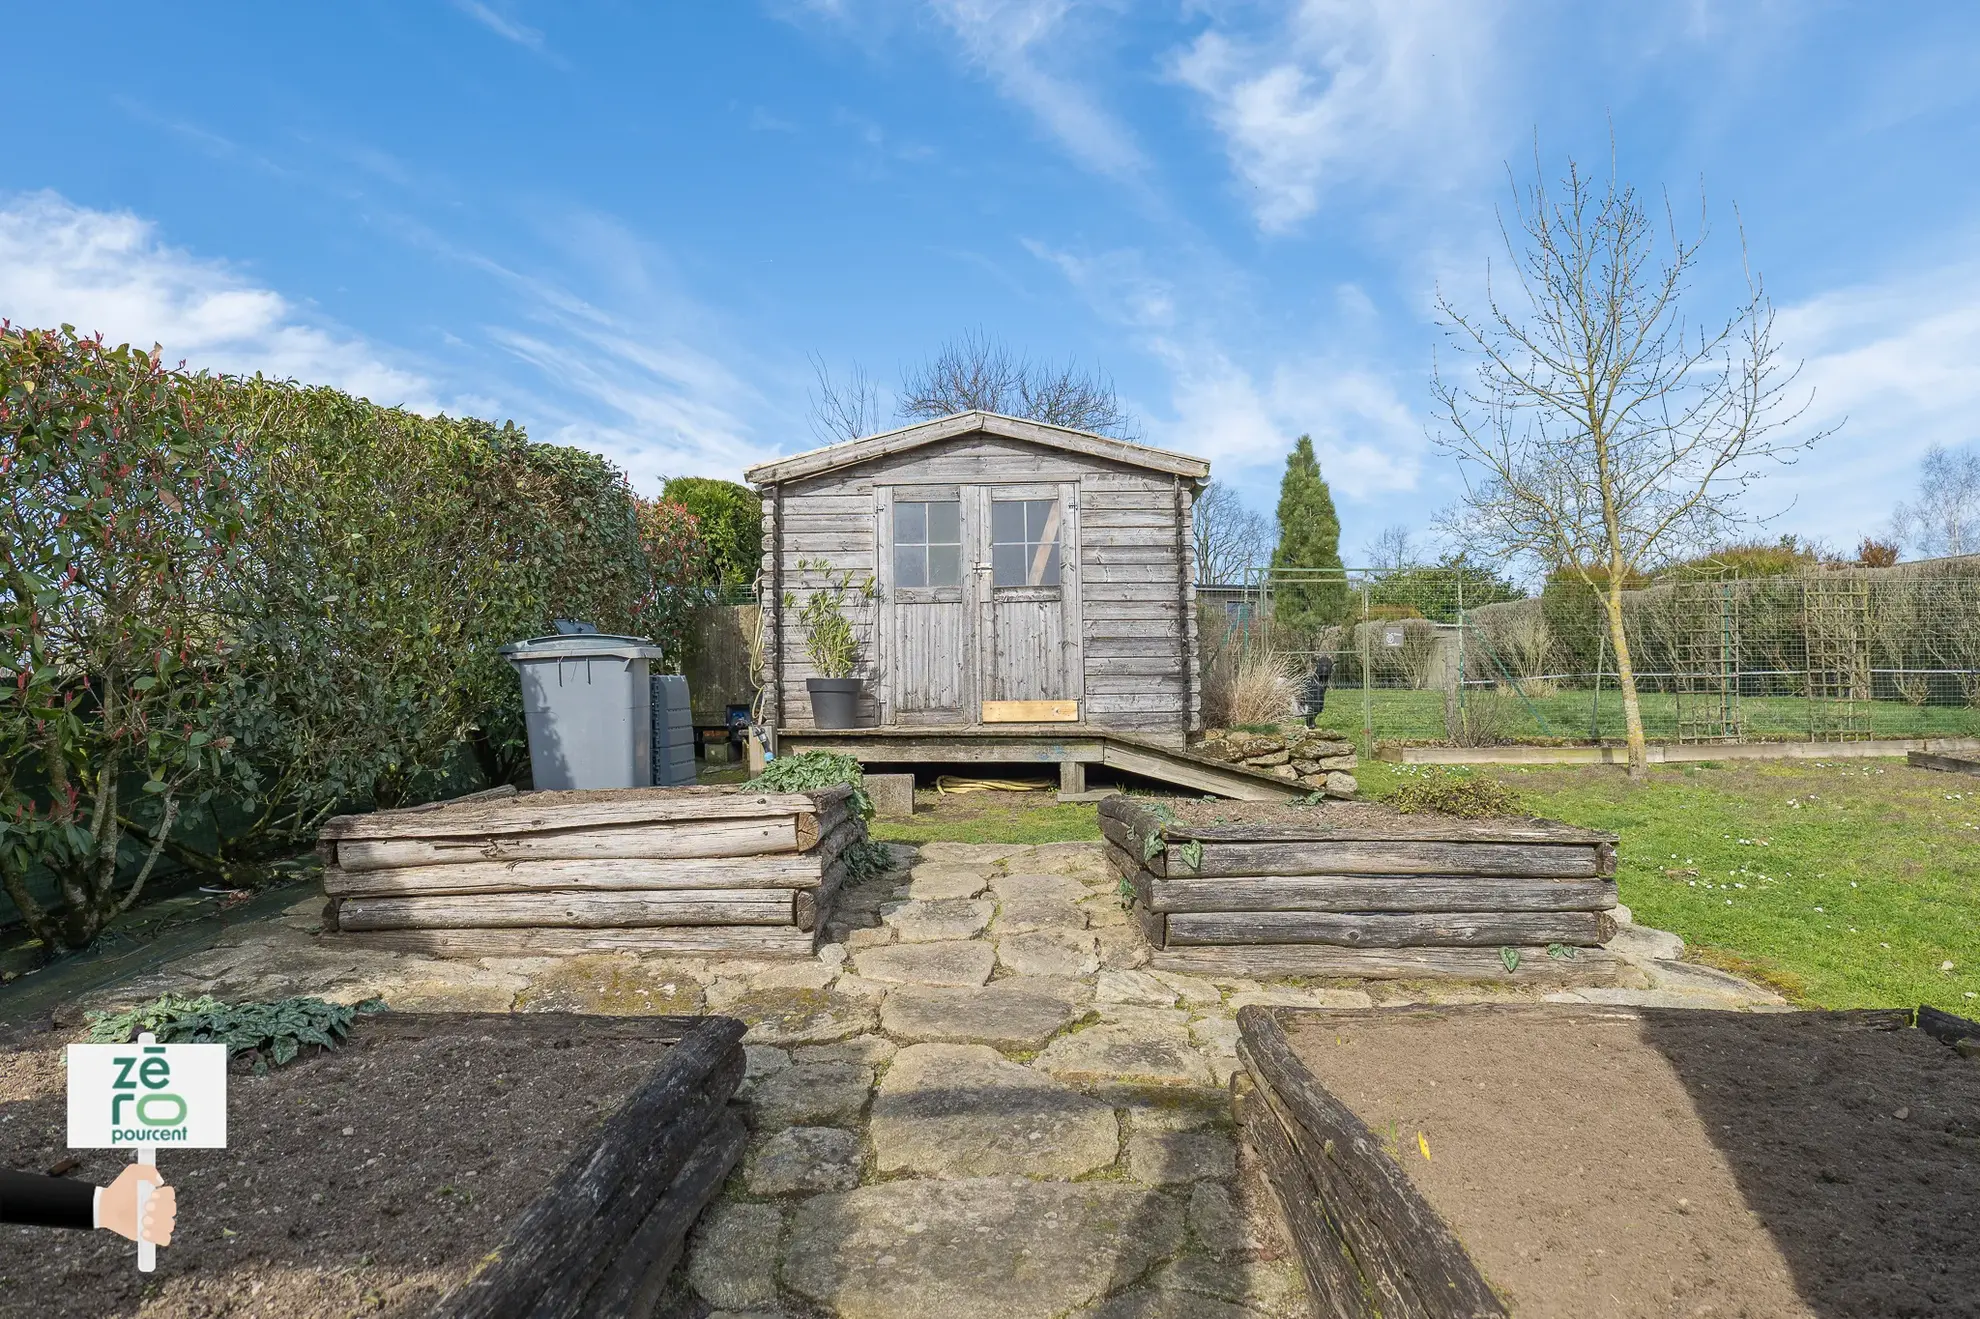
(1028, 49)
(627, 361)
(1369, 441)
(110, 272)
(1118, 285)
(1343, 89)
(1892, 364)
(608, 382)
(624, 376)
(502, 25)
(1242, 410)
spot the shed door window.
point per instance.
(1024, 542)
(928, 543)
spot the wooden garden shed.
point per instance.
(1030, 581)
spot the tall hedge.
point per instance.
(122, 520)
(253, 603)
(731, 518)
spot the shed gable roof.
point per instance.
(832, 457)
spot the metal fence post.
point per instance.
(1367, 692)
(1595, 706)
(1460, 623)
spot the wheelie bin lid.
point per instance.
(582, 645)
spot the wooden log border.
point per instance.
(687, 940)
(1360, 893)
(789, 870)
(603, 1238)
(1333, 1282)
(758, 917)
(1944, 764)
(536, 812)
(1347, 1201)
(1420, 828)
(1381, 929)
(1941, 1025)
(1167, 854)
(569, 909)
(661, 824)
(1535, 966)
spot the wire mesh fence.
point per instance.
(1452, 655)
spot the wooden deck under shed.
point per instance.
(1073, 748)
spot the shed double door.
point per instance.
(979, 599)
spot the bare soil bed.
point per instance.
(1334, 816)
(363, 1181)
(1651, 1163)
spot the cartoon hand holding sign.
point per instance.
(138, 1097)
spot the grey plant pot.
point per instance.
(834, 701)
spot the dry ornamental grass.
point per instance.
(1264, 689)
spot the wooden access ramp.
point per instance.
(1071, 747)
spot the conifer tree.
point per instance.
(1309, 538)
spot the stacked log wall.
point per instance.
(691, 870)
(1438, 898)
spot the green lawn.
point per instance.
(1849, 884)
(1846, 884)
(992, 817)
(1569, 715)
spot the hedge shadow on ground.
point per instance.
(1858, 1149)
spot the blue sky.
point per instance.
(632, 226)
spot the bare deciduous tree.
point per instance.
(1391, 551)
(1945, 518)
(846, 409)
(978, 373)
(1231, 540)
(1597, 428)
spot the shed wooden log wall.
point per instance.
(663, 870)
(1133, 641)
(1407, 898)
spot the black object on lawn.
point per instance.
(1313, 690)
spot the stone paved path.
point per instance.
(975, 1101)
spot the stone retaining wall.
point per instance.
(1317, 758)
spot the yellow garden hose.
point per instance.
(949, 783)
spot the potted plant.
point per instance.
(832, 644)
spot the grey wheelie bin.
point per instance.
(588, 705)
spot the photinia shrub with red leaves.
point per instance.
(121, 522)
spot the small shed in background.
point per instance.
(1026, 577)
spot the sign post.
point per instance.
(147, 1157)
(143, 1095)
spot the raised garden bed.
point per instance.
(1946, 764)
(1361, 890)
(1573, 1160)
(687, 870)
(443, 1165)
